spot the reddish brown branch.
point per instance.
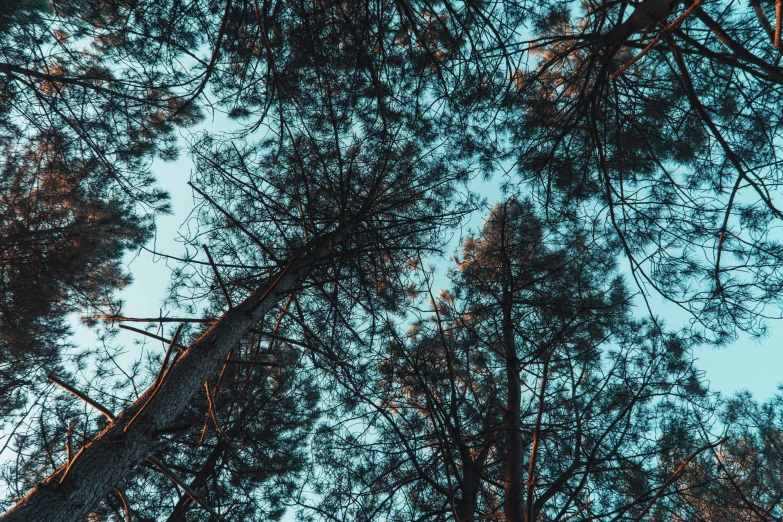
(763, 20)
(125, 505)
(162, 373)
(68, 441)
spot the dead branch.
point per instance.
(68, 441)
(212, 414)
(259, 363)
(119, 318)
(219, 279)
(109, 415)
(151, 335)
(763, 20)
(125, 505)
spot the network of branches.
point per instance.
(356, 328)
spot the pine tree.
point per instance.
(586, 416)
(355, 122)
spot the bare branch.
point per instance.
(152, 335)
(171, 475)
(119, 318)
(109, 415)
(219, 279)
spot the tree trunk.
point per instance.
(101, 464)
(465, 507)
(512, 423)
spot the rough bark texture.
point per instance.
(102, 463)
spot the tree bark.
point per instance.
(102, 463)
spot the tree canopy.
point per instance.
(332, 358)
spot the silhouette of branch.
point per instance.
(119, 318)
(219, 279)
(152, 335)
(109, 415)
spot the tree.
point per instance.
(355, 123)
(663, 113)
(333, 217)
(586, 416)
(87, 100)
(61, 249)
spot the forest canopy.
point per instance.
(356, 328)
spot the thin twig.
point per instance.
(152, 335)
(109, 415)
(219, 279)
(778, 21)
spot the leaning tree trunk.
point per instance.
(102, 463)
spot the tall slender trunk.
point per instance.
(513, 482)
(102, 463)
(466, 506)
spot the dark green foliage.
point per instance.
(86, 103)
(365, 120)
(428, 439)
(62, 244)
